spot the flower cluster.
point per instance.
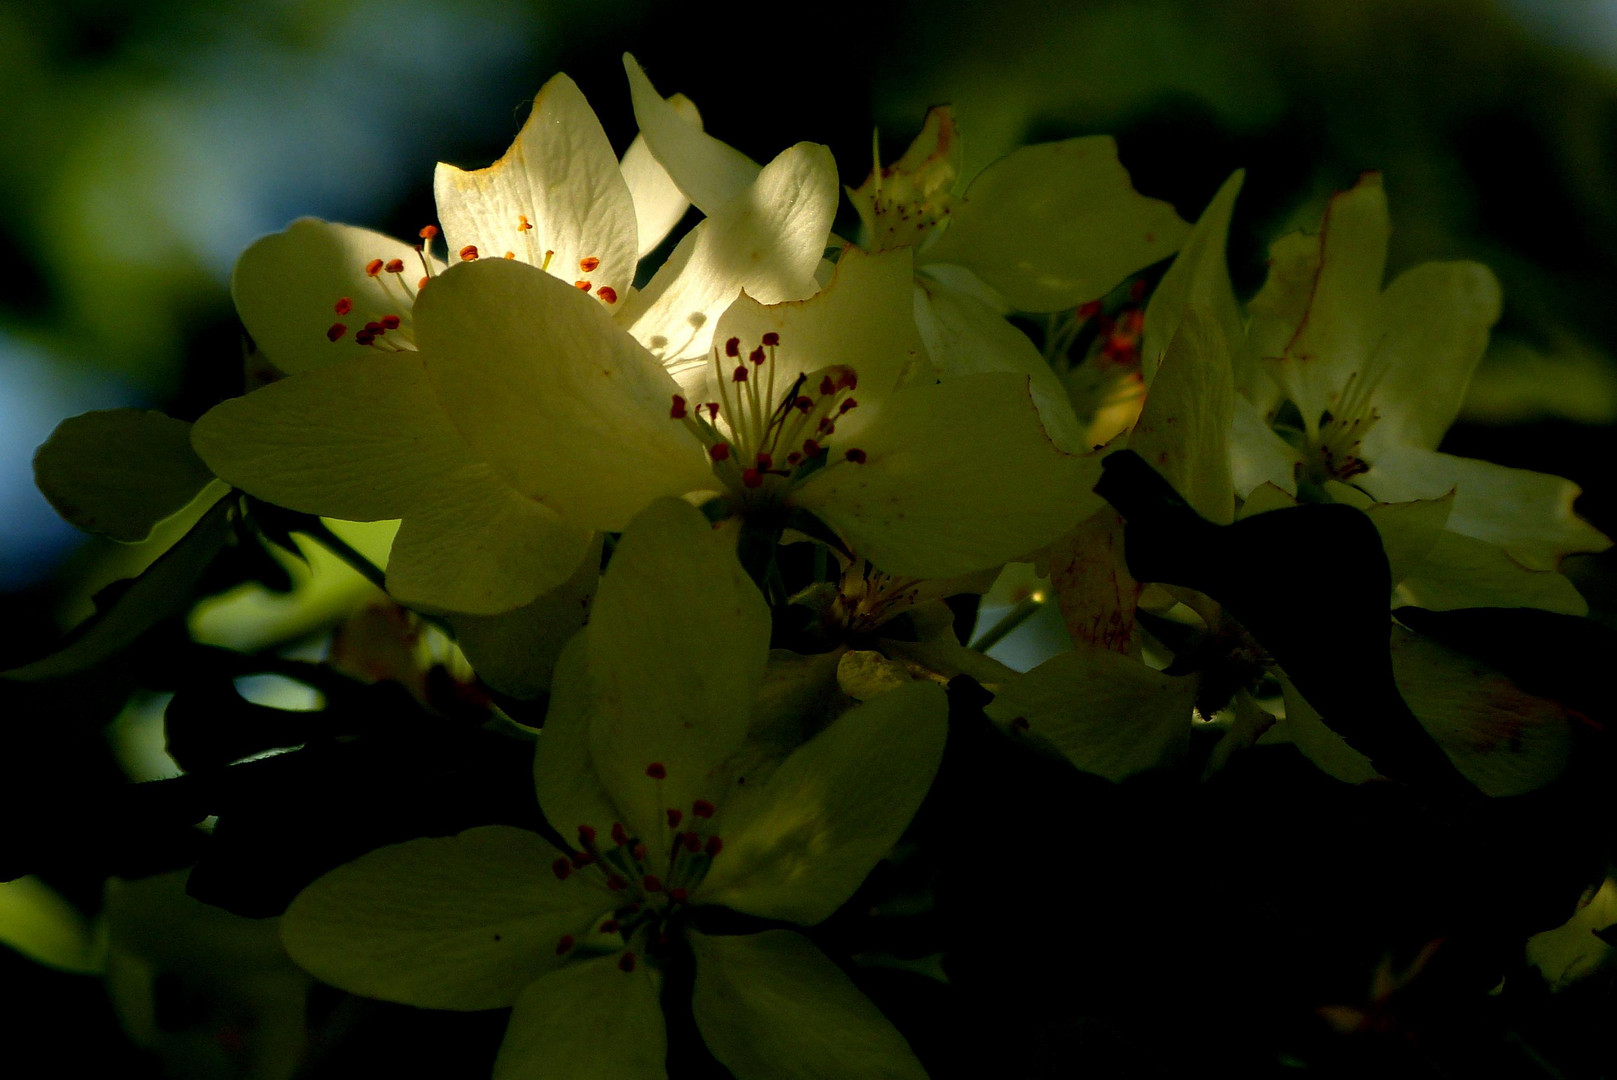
(693, 539)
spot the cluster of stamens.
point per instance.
(628, 867)
(866, 598)
(1342, 433)
(388, 309)
(763, 427)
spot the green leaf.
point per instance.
(121, 471)
(799, 844)
(590, 1020)
(772, 1007)
(462, 922)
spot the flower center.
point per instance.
(769, 429)
(648, 878)
(867, 598)
(1342, 431)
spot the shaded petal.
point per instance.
(547, 389)
(570, 793)
(562, 177)
(768, 240)
(1462, 572)
(1184, 429)
(587, 1021)
(1097, 595)
(678, 640)
(1339, 324)
(120, 471)
(286, 286)
(1200, 274)
(658, 202)
(959, 476)
(708, 171)
(516, 651)
(964, 336)
(1053, 225)
(772, 1007)
(1435, 320)
(1529, 514)
(1257, 455)
(365, 440)
(799, 844)
(461, 922)
(1107, 713)
(481, 548)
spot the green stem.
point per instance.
(1018, 615)
(320, 533)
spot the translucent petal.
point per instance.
(1056, 224)
(1200, 274)
(1107, 713)
(547, 389)
(958, 476)
(1257, 455)
(287, 285)
(561, 178)
(768, 240)
(589, 1020)
(1184, 430)
(570, 793)
(678, 640)
(1462, 572)
(461, 922)
(799, 844)
(658, 202)
(120, 471)
(708, 171)
(772, 1007)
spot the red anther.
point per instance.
(702, 808)
(739, 375)
(335, 331)
(713, 409)
(732, 348)
(719, 451)
(848, 380)
(586, 835)
(810, 448)
(620, 835)
(1107, 324)
(771, 339)
(626, 962)
(713, 846)
(608, 294)
(675, 817)
(428, 232)
(656, 770)
(692, 841)
(394, 266)
(639, 851)
(849, 403)
(855, 455)
(523, 225)
(610, 926)
(793, 458)
(803, 405)
(364, 337)
(1020, 725)
(752, 477)
(343, 306)
(758, 356)
(561, 868)
(1137, 290)
(564, 943)
(375, 328)
(826, 427)
(373, 267)
(1134, 320)
(582, 859)
(827, 387)
(1089, 310)
(588, 264)
(469, 252)
(509, 255)
(422, 284)
(583, 286)
(651, 883)
(391, 322)
(678, 896)
(677, 412)
(765, 461)
(616, 884)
